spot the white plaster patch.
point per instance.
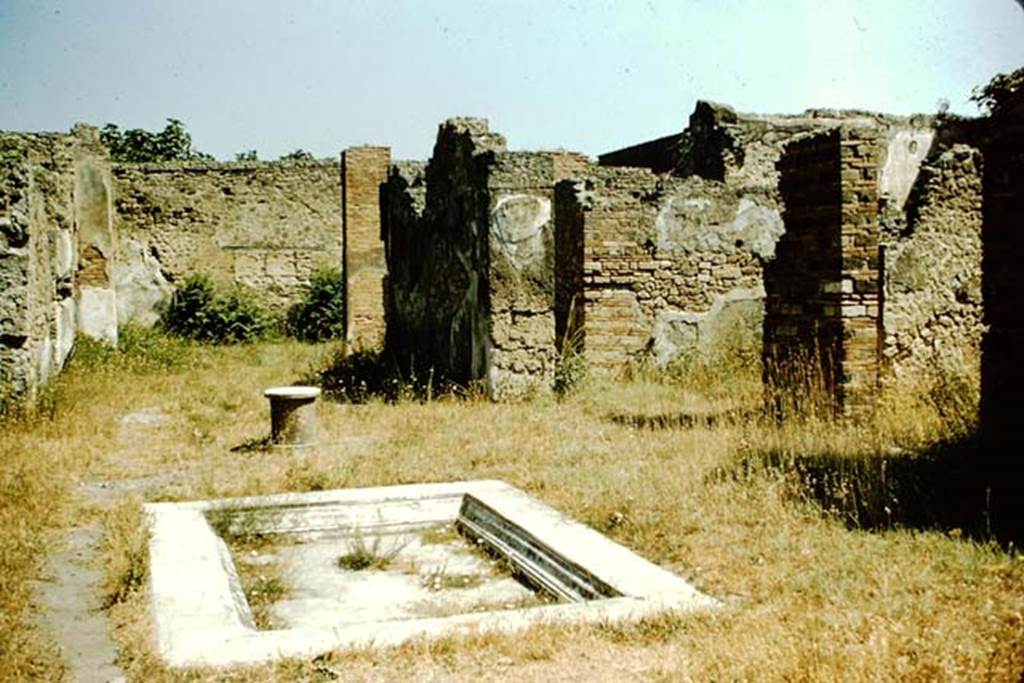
(44, 360)
(65, 317)
(907, 148)
(66, 253)
(97, 313)
(139, 283)
(680, 332)
(202, 618)
(682, 223)
(519, 221)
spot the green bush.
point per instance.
(198, 311)
(321, 316)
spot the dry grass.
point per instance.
(735, 505)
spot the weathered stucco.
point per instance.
(470, 248)
(654, 265)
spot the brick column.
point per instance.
(822, 326)
(363, 170)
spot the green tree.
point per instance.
(298, 155)
(248, 155)
(997, 92)
(173, 143)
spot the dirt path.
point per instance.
(69, 592)
(69, 595)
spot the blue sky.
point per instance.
(589, 75)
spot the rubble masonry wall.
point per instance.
(659, 266)
(55, 252)
(264, 225)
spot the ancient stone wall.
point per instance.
(822, 324)
(54, 229)
(470, 250)
(932, 313)
(654, 265)
(520, 190)
(264, 225)
(403, 197)
(363, 170)
(741, 152)
(435, 229)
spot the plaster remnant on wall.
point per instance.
(140, 284)
(65, 254)
(906, 150)
(691, 224)
(518, 222)
(66, 319)
(97, 313)
(733, 319)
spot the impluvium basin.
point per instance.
(202, 617)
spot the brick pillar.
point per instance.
(822, 326)
(860, 280)
(363, 170)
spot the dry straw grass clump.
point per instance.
(832, 544)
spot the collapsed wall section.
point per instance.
(436, 241)
(54, 227)
(264, 225)
(363, 170)
(470, 252)
(822, 324)
(658, 266)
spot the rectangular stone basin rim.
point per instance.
(202, 618)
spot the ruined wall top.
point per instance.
(208, 166)
(475, 131)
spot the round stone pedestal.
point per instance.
(293, 420)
